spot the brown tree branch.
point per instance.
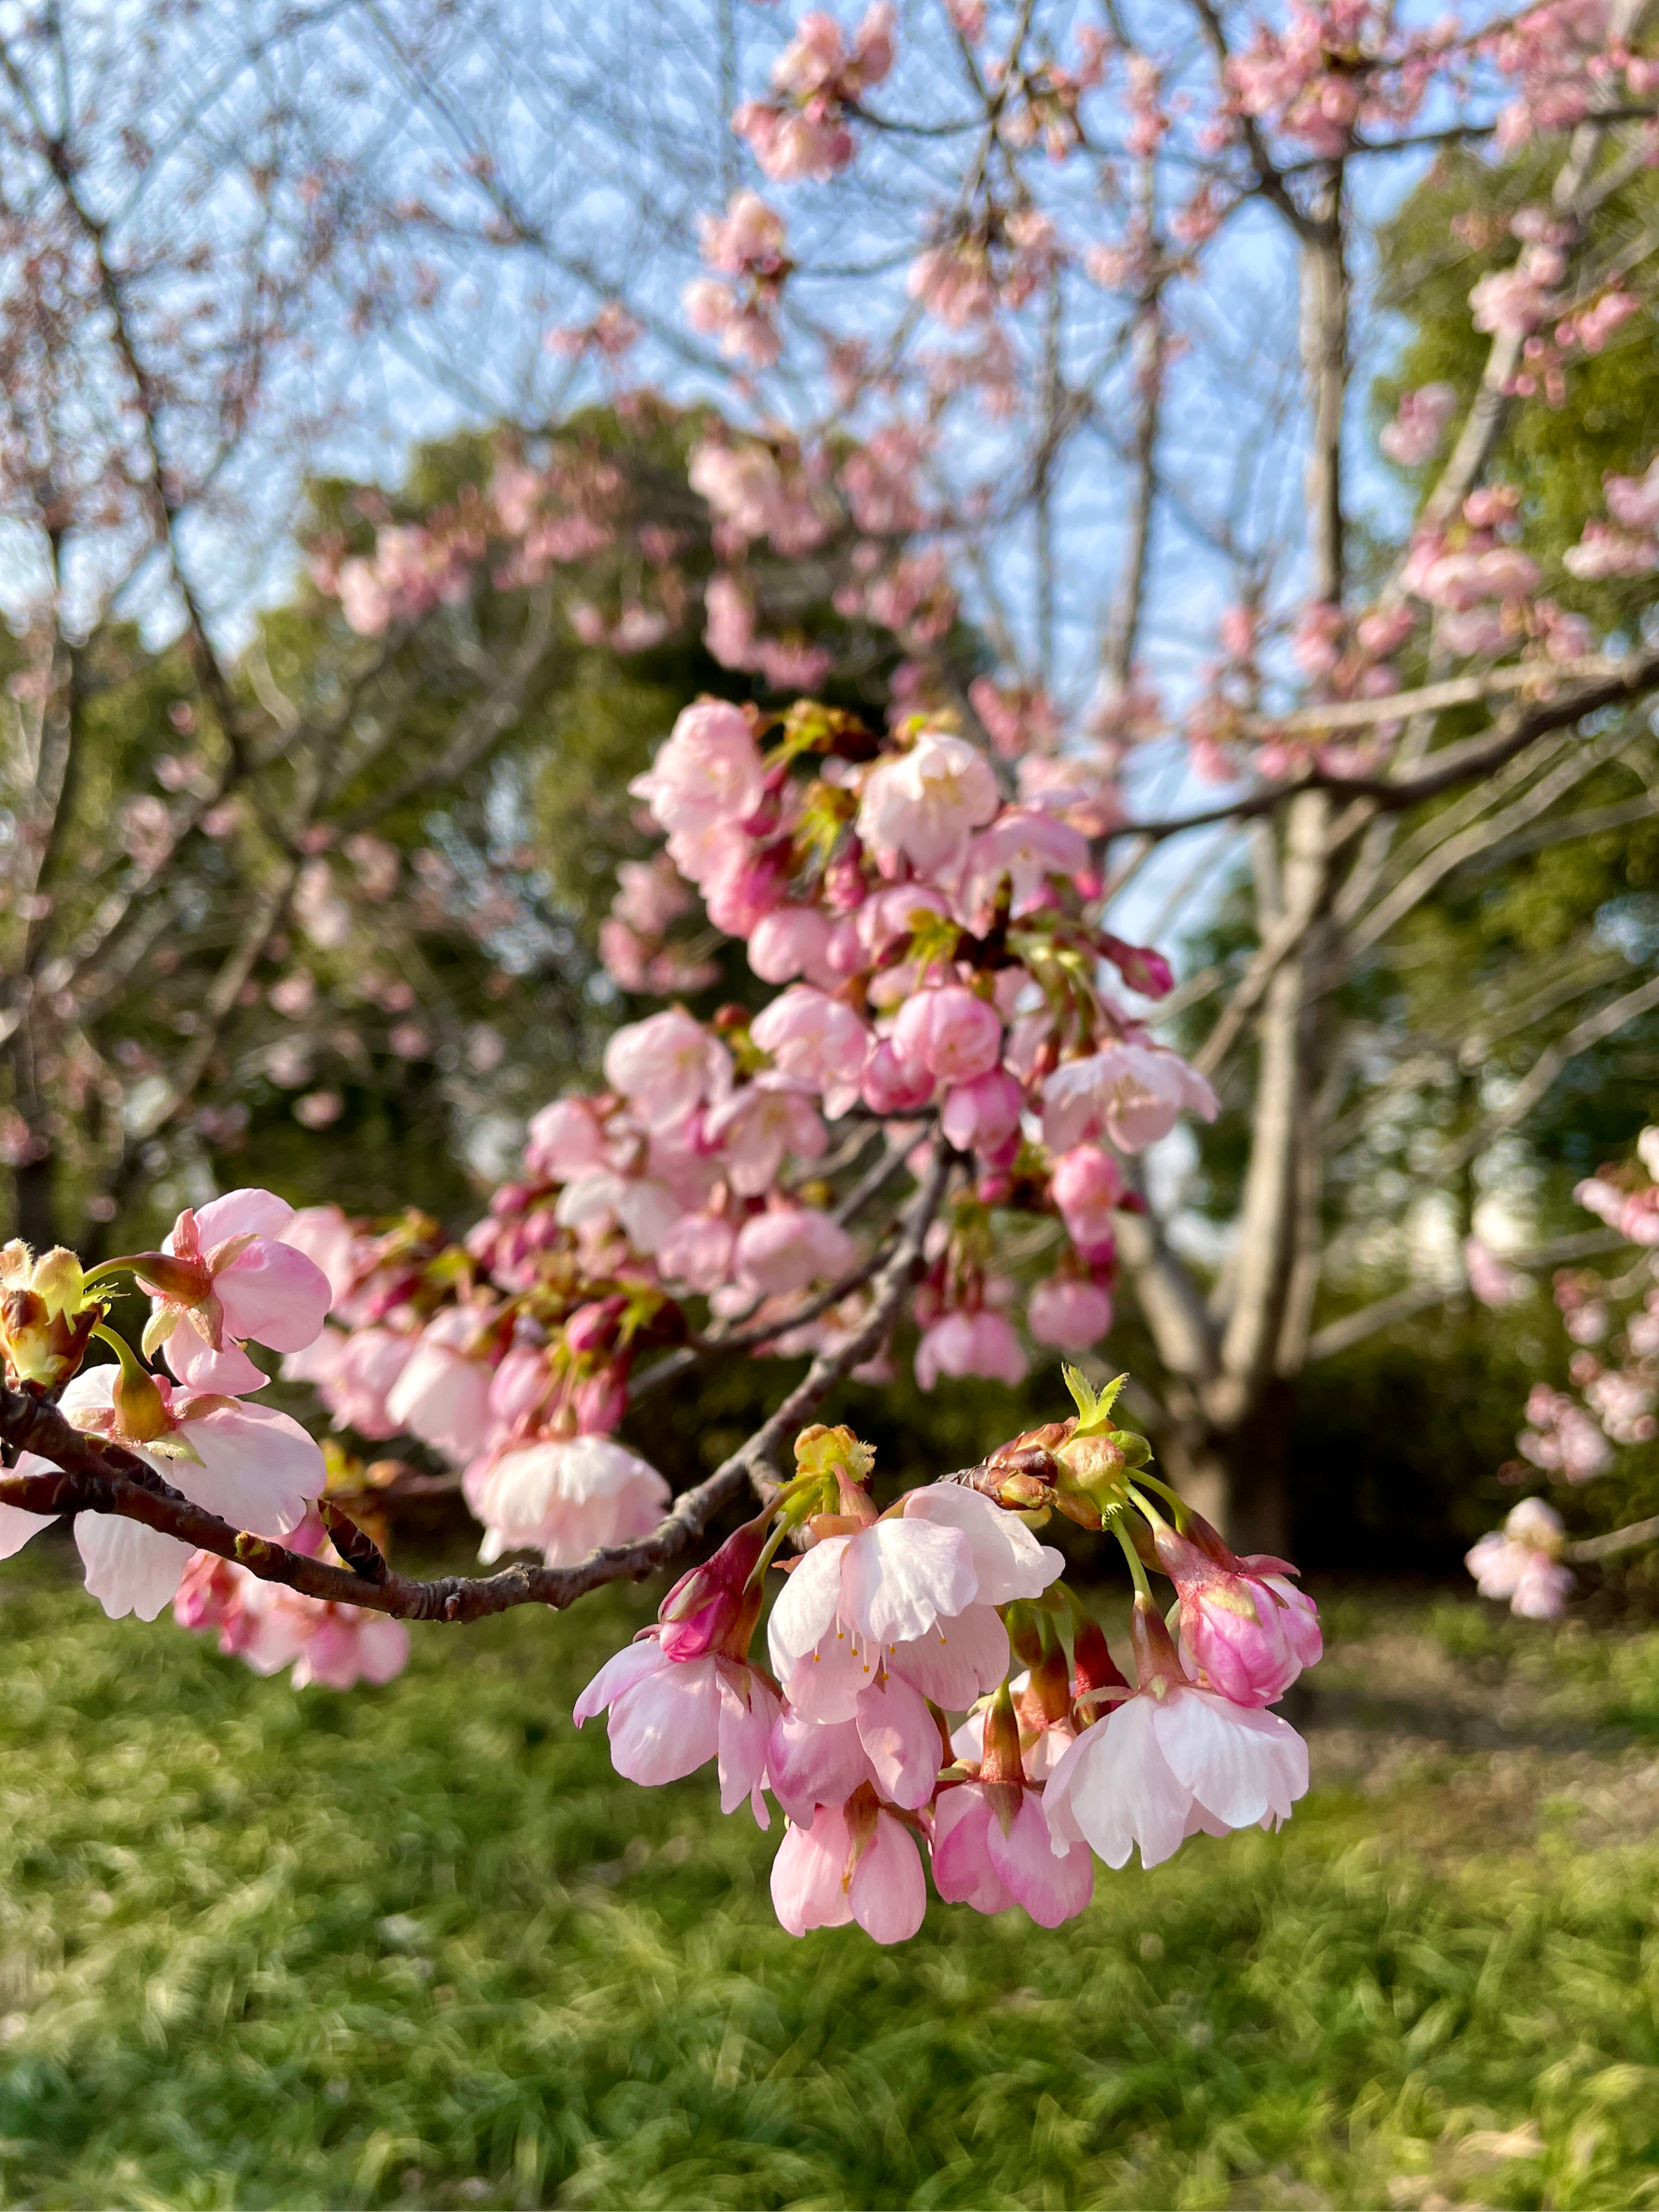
(92, 1477)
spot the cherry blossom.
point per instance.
(1070, 1315)
(1170, 1761)
(912, 1594)
(251, 1465)
(982, 1342)
(225, 1274)
(924, 805)
(269, 1626)
(1522, 1562)
(563, 1496)
(1130, 1092)
(817, 1039)
(1248, 1629)
(856, 1861)
(441, 1393)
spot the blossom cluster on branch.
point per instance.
(1572, 1437)
(889, 1622)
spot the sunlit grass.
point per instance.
(419, 1945)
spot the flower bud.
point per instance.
(594, 1327)
(60, 1280)
(714, 1607)
(42, 1349)
(1093, 1463)
(141, 1413)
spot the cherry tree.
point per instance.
(933, 1107)
(1572, 1437)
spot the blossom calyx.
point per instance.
(1000, 1759)
(1099, 1680)
(1157, 1664)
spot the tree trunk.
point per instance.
(1236, 1477)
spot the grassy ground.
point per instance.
(417, 1946)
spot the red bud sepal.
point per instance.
(1100, 1681)
(1157, 1662)
(715, 1606)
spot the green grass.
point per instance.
(418, 1945)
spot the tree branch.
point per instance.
(92, 1477)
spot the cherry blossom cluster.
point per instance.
(817, 80)
(942, 986)
(891, 1625)
(237, 1271)
(1612, 1322)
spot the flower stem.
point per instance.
(1143, 1588)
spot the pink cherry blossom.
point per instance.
(982, 1343)
(441, 1394)
(1420, 424)
(980, 1861)
(924, 805)
(1132, 1093)
(357, 1376)
(665, 1065)
(271, 1626)
(952, 1032)
(893, 1084)
(856, 1862)
(1170, 1761)
(749, 237)
(707, 772)
(759, 1124)
(1070, 1314)
(791, 145)
(697, 1252)
(1521, 1562)
(790, 941)
(812, 1763)
(891, 1738)
(1027, 848)
(565, 1140)
(563, 1496)
(982, 1114)
(787, 1248)
(816, 1038)
(670, 1717)
(913, 1595)
(251, 1465)
(327, 1239)
(223, 1278)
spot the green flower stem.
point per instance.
(1143, 1588)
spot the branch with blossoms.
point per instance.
(887, 1623)
(1573, 1437)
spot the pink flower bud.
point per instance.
(600, 1402)
(715, 1607)
(1249, 1630)
(983, 1114)
(594, 1327)
(1087, 1188)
